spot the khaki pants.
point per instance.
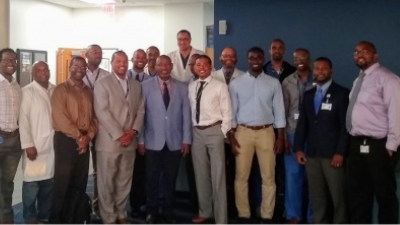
(262, 143)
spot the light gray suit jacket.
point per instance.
(116, 113)
(219, 74)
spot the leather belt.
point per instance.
(208, 126)
(256, 127)
(8, 134)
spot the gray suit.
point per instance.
(116, 114)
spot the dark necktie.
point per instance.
(198, 98)
(228, 75)
(353, 99)
(166, 96)
(137, 77)
(319, 96)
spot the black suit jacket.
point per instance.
(325, 133)
(287, 70)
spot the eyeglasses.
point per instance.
(8, 61)
(79, 67)
(362, 52)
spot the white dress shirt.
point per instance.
(215, 104)
(10, 102)
(123, 83)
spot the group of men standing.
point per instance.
(139, 122)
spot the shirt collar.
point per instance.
(325, 86)
(224, 70)
(371, 68)
(161, 82)
(251, 76)
(119, 79)
(2, 78)
(207, 80)
(94, 71)
(71, 83)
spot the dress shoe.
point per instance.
(199, 219)
(123, 221)
(266, 221)
(151, 219)
(293, 221)
(243, 220)
(169, 219)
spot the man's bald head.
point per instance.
(228, 58)
(41, 73)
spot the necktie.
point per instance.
(137, 77)
(228, 75)
(198, 98)
(318, 100)
(353, 99)
(166, 96)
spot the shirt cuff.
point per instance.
(391, 145)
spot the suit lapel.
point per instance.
(118, 87)
(158, 95)
(172, 93)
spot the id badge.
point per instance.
(364, 149)
(296, 116)
(326, 106)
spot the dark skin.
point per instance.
(41, 74)
(302, 63)
(8, 65)
(322, 73)
(192, 62)
(94, 55)
(364, 57)
(164, 68)
(77, 73)
(152, 55)
(184, 41)
(228, 58)
(120, 66)
(139, 60)
(277, 50)
(255, 60)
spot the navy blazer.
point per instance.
(326, 132)
(171, 126)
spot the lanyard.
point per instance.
(95, 79)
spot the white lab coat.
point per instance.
(219, 74)
(36, 130)
(178, 72)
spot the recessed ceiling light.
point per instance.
(98, 1)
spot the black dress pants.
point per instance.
(369, 175)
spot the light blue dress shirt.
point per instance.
(257, 101)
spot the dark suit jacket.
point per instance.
(326, 132)
(287, 70)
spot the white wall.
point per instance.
(184, 16)
(38, 25)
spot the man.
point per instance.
(192, 63)
(152, 54)
(94, 55)
(181, 56)
(277, 67)
(119, 107)
(139, 61)
(228, 72)
(36, 134)
(75, 126)
(373, 123)
(211, 118)
(257, 104)
(322, 124)
(10, 144)
(166, 136)
(293, 88)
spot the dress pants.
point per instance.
(94, 164)
(10, 155)
(114, 180)
(372, 175)
(137, 197)
(208, 155)
(260, 142)
(70, 176)
(326, 184)
(167, 163)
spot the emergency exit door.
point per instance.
(26, 58)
